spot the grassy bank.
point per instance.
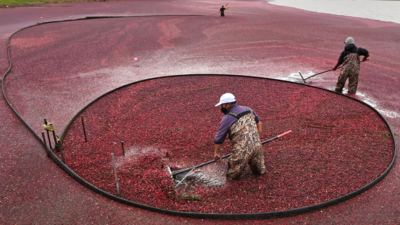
(17, 3)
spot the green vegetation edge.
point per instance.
(32, 3)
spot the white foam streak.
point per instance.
(373, 103)
(295, 77)
(133, 153)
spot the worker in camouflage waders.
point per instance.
(244, 128)
(350, 58)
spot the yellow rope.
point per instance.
(48, 126)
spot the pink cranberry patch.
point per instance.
(338, 145)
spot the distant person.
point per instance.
(350, 58)
(222, 10)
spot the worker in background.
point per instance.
(244, 128)
(222, 10)
(350, 58)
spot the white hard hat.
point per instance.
(226, 98)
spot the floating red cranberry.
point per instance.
(337, 146)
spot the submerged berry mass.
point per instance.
(337, 146)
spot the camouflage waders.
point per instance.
(247, 148)
(350, 69)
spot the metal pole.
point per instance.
(320, 73)
(84, 130)
(44, 144)
(48, 137)
(301, 75)
(174, 173)
(115, 171)
(326, 71)
(123, 149)
(55, 141)
(44, 140)
(316, 74)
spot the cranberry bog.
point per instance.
(338, 146)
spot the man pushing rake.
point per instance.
(244, 128)
(349, 60)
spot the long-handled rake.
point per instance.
(173, 174)
(304, 80)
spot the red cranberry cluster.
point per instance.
(337, 146)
